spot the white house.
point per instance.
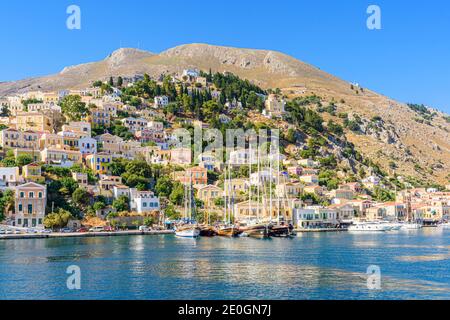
(275, 106)
(81, 127)
(143, 201)
(135, 124)
(308, 163)
(242, 157)
(9, 176)
(191, 73)
(309, 178)
(121, 190)
(161, 101)
(262, 177)
(87, 145)
(155, 125)
(314, 217)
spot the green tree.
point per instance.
(58, 219)
(5, 112)
(177, 194)
(290, 135)
(99, 206)
(383, 195)
(149, 221)
(68, 186)
(73, 108)
(121, 204)
(210, 109)
(6, 203)
(164, 186)
(80, 197)
(171, 213)
(120, 82)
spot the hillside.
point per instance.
(399, 138)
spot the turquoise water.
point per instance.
(414, 265)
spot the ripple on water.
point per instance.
(324, 266)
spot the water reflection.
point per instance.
(312, 266)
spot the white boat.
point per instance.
(393, 226)
(369, 227)
(411, 226)
(190, 229)
(188, 232)
(445, 225)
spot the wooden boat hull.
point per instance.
(258, 231)
(208, 232)
(228, 232)
(280, 231)
(259, 234)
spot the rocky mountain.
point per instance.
(396, 136)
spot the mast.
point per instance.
(226, 186)
(185, 197)
(257, 185)
(270, 182)
(192, 200)
(278, 183)
(249, 178)
(230, 204)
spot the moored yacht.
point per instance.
(411, 226)
(228, 231)
(445, 225)
(256, 231)
(188, 231)
(369, 227)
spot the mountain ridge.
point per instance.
(398, 141)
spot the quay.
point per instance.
(84, 235)
(321, 230)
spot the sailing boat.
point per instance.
(228, 229)
(190, 228)
(252, 228)
(280, 229)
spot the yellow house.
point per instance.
(264, 210)
(237, 185)
(289, 190)
(313, 189)
(110, 143)
(35, 121)
(33, 173)
(99, 162)
(78, 127)
(342, 194)
(100, 117)
(275, 106)
(50, 97)
(12, 138)
(34, 154)
(109, 182)
(208, 194)
(49, 140)
(81, 178)
(59, 155)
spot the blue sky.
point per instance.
(407, 60)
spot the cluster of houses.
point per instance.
(38, 129)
